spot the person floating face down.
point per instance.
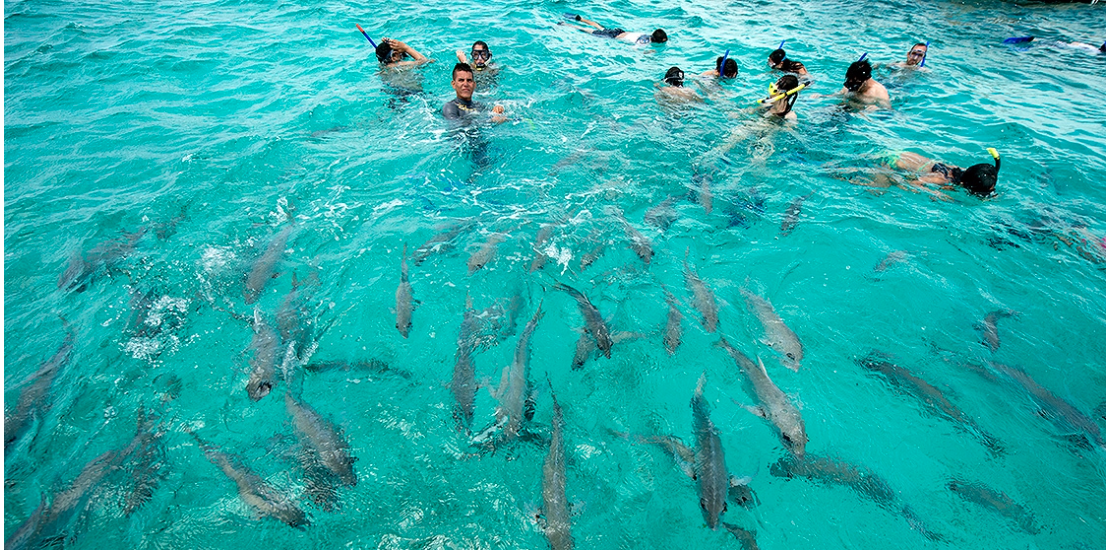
(658, 36)
(778, 60)
(481, 57)
(782, 96)
(394, 54)
(463, 107)
(860, 85)
(978, 179)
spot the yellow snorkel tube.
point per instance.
(774, 94)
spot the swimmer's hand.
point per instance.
(498, 117)
(461, 57)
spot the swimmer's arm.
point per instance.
(398, 45)
(921, 185)
(497, 114)
(461, 57)
(450, 111)
(590, 23)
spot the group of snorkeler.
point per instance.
(858, 86)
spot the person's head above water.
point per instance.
(859, 73)
(674, 77)
(917, 54)
(776, 57)
(658, 36)
(480, 54)
(786, 83)
(730, 69)
(980, 179)
(388, 55)
(463, 82)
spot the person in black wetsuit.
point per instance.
(463, 106)
(658, 36)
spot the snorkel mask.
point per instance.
(859, 73)
(980, 179)
(918, 55)
(480, 58)
(776, 92)
(674, 77)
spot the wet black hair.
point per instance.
(674, 76)
(787, 83)
(731, 67)
(658, 36)
(384, 52)
(1102, 48)
(777, 56)
(980, 179)
(461, 68)
(859, 72)
(922, 44)
(480, 43)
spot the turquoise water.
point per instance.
(188, 135)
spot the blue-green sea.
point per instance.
(163, 158)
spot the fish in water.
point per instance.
(596, 251)
(1063, 415)
(988, 329)
(320, 485)
(485, 253)
(558, 526)
(745, 209)
(710, 462)
(748, 539)
(375, 366)
(265, 344)
(593, 321)
(639, 243)
(586, 347)
(774, 404)
(791, 217)
(147, 463)
(673, 325)
(463, 385)
(928, 394)
(322, 438)
(294, 319)
(996, 501)
(702, 298)
(703, 194)
(777, 335)
(891, 259)
(254, 491)
(35, 400)
(405, 303)
(83, 268)
(544, 233)
(514, 392)
(264, 267)
(663, 215)
(442, 242)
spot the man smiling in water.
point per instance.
(463, 105)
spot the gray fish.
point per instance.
(791, 217)
(463, 385)
(514, 389)
(710, 461)
(71, 502)
(673, 325)
(442, 242)
(83, 268)
(320, 485)
(34, 400)
(777, 335)
(774, 404)
(681, 454)
(593, 321)
(662, 216)
(996, 501)
(375, 366)
(639, 243)
(294, 320)
(930, 395)
(253, 490)
(748, 539)
(405, 304)
(146, 464)
(264, 268)
(485, 253)
(27, 534)
(596, 251)
(321, 436)
(704, 195)
(586, 347)
(265, 344)
(1063, 415)
(558, 525)
(890, 260)
(988, 329)
(544, 233)
(702, 298)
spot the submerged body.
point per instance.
(776, 334)
(463, 385)
(323, 438)
(265, 343)
(514, 387)
(702, 298)
(265, 265)
(34, 399)
(593, 321)
(710, 460)
(1063, 415)
(774, 404)
(558, 526)
(253, 490)
(405, 301)
(996, 501)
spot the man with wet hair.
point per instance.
(656, 37)
(860, 86)
(463, 106)
(393, 53)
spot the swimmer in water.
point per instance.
(778, 60)
(916, 57)
(782, 96)
(674, 91)
(656, 37)
(924, 173)
(393, 54)
(481, 57)
(463, 106)
(730, 70)
(860, 86)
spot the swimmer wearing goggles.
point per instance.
(481, 56)
(782, 96)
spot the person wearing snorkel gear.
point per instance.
(393, 54)
(729, 72)
(674, 91)
(481, 57)
(656, 37)
(860, 86)
(782, 96)
(463, 106)
(778, 60)
(978, 179)
(916, 57)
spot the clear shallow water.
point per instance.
(206, 124)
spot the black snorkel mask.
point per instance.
(480, 59)
(674, 77)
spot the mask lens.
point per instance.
(481, 54)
